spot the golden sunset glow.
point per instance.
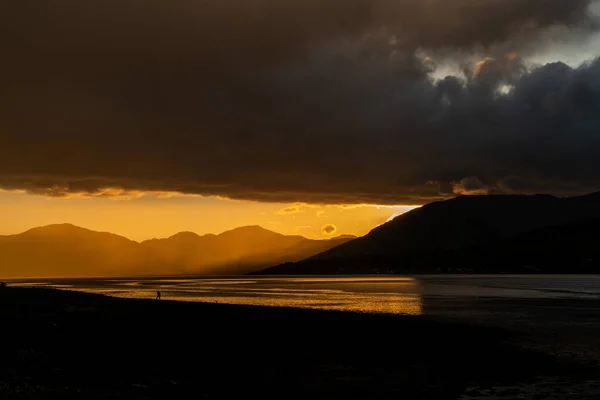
(158, 215)
(293, 199)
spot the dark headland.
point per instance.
(473, 234)
(69, 345)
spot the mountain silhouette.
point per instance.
(239, 250)
(471, 234)
(65, 250)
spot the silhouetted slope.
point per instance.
(423, 239)
(573, 247)
(67, 250)
(299, 251)
(570, 248)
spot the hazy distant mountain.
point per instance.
(343, 237)
(445, 237)
(236, 251)
(68, 250)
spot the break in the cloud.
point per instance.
(470, 186)
(297, 101)
(391, 217)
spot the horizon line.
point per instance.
(168, 237)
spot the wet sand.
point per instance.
(69, 345)
(412, 295)
(567, 330)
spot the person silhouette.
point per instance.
(158, 295)
(2, 285)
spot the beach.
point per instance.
(70, 345)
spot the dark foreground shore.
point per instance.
(68, 345)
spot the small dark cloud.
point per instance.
(328, 229)
(289, 210)
(294, 100)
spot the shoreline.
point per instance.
(74, 345)
(253, 275)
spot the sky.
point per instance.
(149, 216)
(147, 117)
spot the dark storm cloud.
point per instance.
(288, 100)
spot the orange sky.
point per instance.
(151, 215)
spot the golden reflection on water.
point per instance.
(372, 295)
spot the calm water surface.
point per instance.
(399, 295)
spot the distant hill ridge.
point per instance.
(508, 233)
(66, 250)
